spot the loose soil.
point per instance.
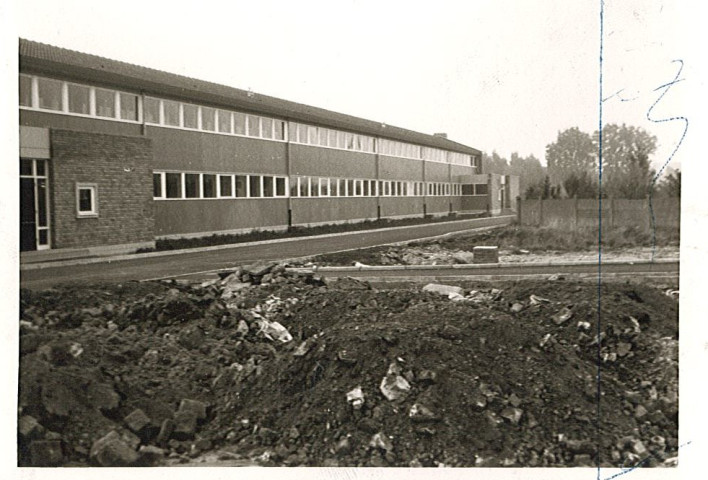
(519, 245)
(496, 376)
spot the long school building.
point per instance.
(113, 156)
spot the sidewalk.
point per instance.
(69, 257)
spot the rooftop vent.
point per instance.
(441, 135)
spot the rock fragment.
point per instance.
(393, 386)
(29, 428)
(379, 440)
(512, 414)
(137, 421)
(443, 289)
(562, 316)
(112, 451)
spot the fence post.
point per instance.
(518, 210)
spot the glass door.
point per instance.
(34, 205)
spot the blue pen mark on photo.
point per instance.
(637, 465)
(664, 90)
(599, 232)
(620, 97)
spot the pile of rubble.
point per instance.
(280, 368)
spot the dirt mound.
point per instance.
(285, 370)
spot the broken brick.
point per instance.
(137, 421)
(112, 451)
(193, 407)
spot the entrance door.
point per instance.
(34, 202)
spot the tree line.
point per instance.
(572, 167)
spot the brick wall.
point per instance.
(121, 167)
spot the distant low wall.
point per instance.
(574, 213)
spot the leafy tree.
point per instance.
(670, 185)
(573, 152)
(494, 164)
(528, 169)
(581, 185)
(626, 169)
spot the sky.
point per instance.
(501, 75)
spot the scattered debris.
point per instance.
(517, 307)
(356, 398)
(179, 374)
(536, 300)
(562, 316)
(393, 386)
(443, 289)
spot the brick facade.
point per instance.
(121, 168)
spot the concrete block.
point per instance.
(112, 451)
(137, 421)
(485, 254)
(185, 425)
(194, 407)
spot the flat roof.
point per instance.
(38, 57)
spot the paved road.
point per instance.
(144, 267)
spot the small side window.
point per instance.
(86, 200)
(157, 190)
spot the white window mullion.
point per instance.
(116, 105)
(92, 101)
(199, 117)
(161, 114)
(141, 101)
(261, 182)
(163, 184)
(248, 186)
(200, 193)
(183, 184)
(64, 97)
(35, 92)
(233, 186)
(181, 114)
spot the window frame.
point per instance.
(93, 188)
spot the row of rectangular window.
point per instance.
(171, 113)
(68, 97)
(184, 185)
(474, 189)
(327, 137)
(180, 185)
(56, 95)
(347, 187)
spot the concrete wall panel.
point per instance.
(174, 217)
(184, 150)
(330, 162)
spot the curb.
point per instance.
(479, 266)
(137, 256)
